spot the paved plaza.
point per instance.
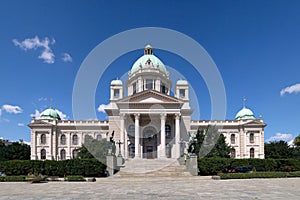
(156, 188)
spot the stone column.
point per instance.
(122, 138)
(162, 135)
(137, 137)
(177, 136)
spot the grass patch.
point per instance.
(260, 175)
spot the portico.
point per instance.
(155, 135)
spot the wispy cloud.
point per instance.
(36, 114)
(102, 107)
(66, 57)
(42, 99)
(280, 136)
(291, 89)
(35, 43)
(61, 114)
(12, 109)
(21, 124)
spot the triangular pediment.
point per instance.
(150, 96)
(255, 123)
(40, 123)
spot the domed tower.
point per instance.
(50, 114)
(148, 73)
(116, 90)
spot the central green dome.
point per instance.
(148, 58)
(245, 113)
(50, 114)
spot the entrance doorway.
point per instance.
(149, 144)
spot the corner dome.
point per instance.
(50, 114)
(182, 82)
(244, 113)
(116, 82)
(148, 59)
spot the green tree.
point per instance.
(14, 151)
(93, 148)
(279, 149)
(210, 143)
(297, 141)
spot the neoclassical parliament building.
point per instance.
(148, 122)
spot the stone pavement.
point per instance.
(156, 188)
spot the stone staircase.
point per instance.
(153, 168)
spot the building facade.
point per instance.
(148, 122)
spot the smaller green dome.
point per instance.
(116, 82)
(182, 82)
(50, 114)
(244, 113)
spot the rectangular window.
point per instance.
(149, 84)
(163, 88)
(133, 88)
(181, 92)
(116, 93)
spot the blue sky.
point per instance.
(255, 44)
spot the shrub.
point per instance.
(213, 166)
(259, 175)
(12, 178)
(74, 178)
(83, 167)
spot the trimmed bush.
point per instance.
(74, 178)
(83, 167)
(214, 166)
(12, 178)
(259, 175)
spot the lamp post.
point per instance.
(119, 143)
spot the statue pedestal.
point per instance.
(111, 165)
(120, 161)
(192, 165)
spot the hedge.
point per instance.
(213, 166)
(83, 167)
(74, 178)
(259, 175)
(12, 178)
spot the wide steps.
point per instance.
(153, 168)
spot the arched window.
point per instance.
(99, 137)
(131, 130)
(74, 153)
(232, 138)
(63, 154)
(232, 153)
(63, 139)
(43, 154)
(168, 130)
(252, 153)
(43, 139)
(251, 138)
(75, 139)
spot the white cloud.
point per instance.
(36, 115)
(21, 124)
(35, 43)
(66, 57)
(291, 89)
(61, 114)
(102, 107)
(0, 112)
(280, 136)
(291, 143)
(12, 109)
